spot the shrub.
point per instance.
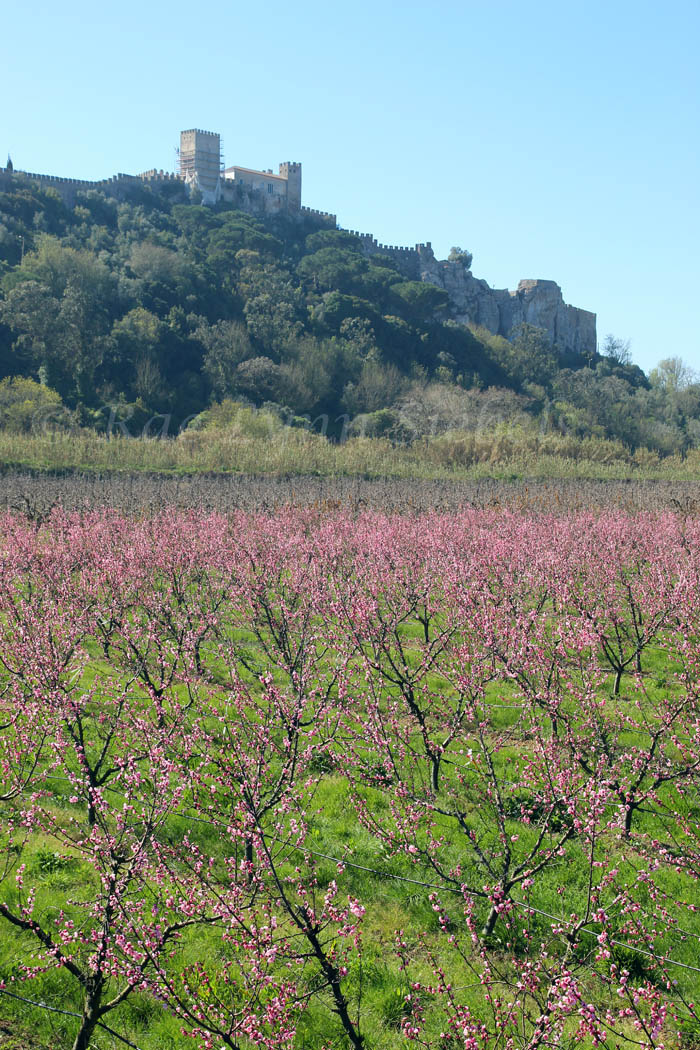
(26, 405)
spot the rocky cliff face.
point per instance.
(538, 303)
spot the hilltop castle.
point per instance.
(202, 169)
(202, 176)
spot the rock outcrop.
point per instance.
(534, 302)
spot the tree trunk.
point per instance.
(341, 1009)
(490, 923)
(249, 860)
(333, 981)
(88, 1024)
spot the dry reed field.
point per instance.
(36, 493)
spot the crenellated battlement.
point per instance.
(117, 185)
(35, 176)
(325, 216)
(198, 131)
(370, 243)
(407, 258)
(165, 176)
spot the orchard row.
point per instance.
(324, 780)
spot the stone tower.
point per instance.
(291, 171)
(200, 159)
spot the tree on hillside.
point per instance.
(227, 344)
(421, 298)
(60, 312)
(460, 255)
(527, 356)
(672, 375)
(618, 350)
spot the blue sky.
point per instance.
(554, 140)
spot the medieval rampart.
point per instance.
(120, 186)
(407, 259)
(324, 218)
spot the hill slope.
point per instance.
(161, 307)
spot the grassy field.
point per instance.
(396, 895)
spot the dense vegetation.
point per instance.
(112, 313)
(313, 780)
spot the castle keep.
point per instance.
(202, 169)
(202, 176)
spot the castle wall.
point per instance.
(406, 259)
(120, 186)
(66, 188)
(322, 218)
(291, 171)
(252, 199)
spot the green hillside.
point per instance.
(125, 311)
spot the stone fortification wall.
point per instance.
(66, 188)
(252, 198)
(407, 259)
(121, 186)
(6, 178)
(323, 218)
